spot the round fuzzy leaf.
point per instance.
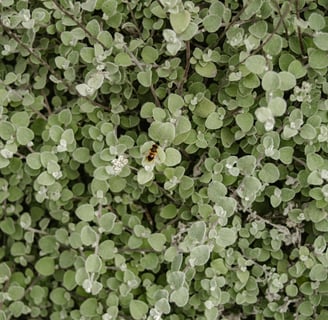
(163, 132)
(173, 47)
(259, 29)
(321, 41)
(144, 176)
(318, 59)
(286, 155)
(10, 78)
(173, 157)
(270, 81)
(246, 164)
(204, 108)
(123, 59)
(305, 309)
(58, 297)
(216, 190)
(175, 102)
(85, 212)
(147, 110)
(138, 309)
(116, 184)
(24, 135)
(287, 80)
(297, 69)
(318, 273)
(319, 244)
(15, 292)
(33, 160)
(269, 173)
(7, 226)
(20, 119)
(180, 297)
(314, 161)
(190, 32)
(316, 21)
(168, 212)
(226, 237)
(213, 121)
(197, 231)
(251, 9)
(180, 21)
(256, 64)
(159, 114)
(291, 290)
(251, 81)
(96, 81)
(109, 7)
(149, 54)
(217, 8)
(84, 90)
(145, 78)
(163, 306)
(5, 272)
(87, 54)
(208, 70)
(46, 179)
(183, 125)
(88, 236)
(314, 178)
(308, 132)
(277, 106)
(244, 121)
(89, 307)
(6, 130)
(65, 117)
(107, 250)
(157, 241)
(107, 221)
(45, 266)
(274, 46)
(212, 23)
(93, 263)
(105, 37)
(81, 155)
(263, 114)
(199, 255)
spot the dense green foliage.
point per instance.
(164, 159)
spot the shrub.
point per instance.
(163, 159)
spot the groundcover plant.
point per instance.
(163, 159)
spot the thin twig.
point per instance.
(301, 162)
(67, 13)
(48, 67)
(40, 114)
(234, 21)
(134, 19)
(35, 230)
(283, 21)
(299, 32)
(267, 40)
(46, 102)
(141, 68)
(187, 67)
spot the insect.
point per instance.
(152, 152)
